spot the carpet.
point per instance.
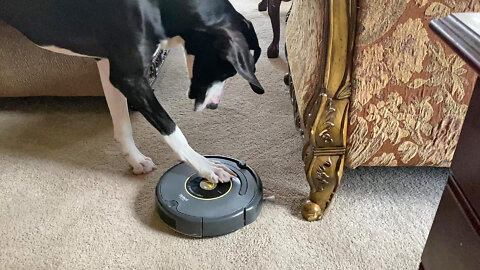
(69, 201)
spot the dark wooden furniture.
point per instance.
(273, 7)
(454, 239)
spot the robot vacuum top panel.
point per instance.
(188, 203)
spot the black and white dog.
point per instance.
(123, 35)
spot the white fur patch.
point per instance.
(179, 144)
(215, 172)
(213, 95)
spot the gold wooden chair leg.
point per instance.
(325, 116)
(324, 165)
(323, 187)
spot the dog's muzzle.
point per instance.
(199, 106)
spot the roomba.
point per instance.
(194, 206)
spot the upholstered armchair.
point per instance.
(371, 85)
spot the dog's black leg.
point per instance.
(140, 95)
(157, 62)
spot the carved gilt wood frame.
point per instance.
(325, 117)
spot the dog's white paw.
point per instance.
(215, 171)
(140, 163)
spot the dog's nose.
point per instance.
(212, 106)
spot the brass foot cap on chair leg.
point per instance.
(311, 211)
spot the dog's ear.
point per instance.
(251, 36)
(236, 50)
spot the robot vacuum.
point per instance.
(196, 207)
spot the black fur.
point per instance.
(127, 33)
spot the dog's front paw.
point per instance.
(214, 171)
(217, 172)
(140, 163)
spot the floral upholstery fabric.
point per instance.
(305, 50)
(410, 91)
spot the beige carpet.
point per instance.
(69, 201)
